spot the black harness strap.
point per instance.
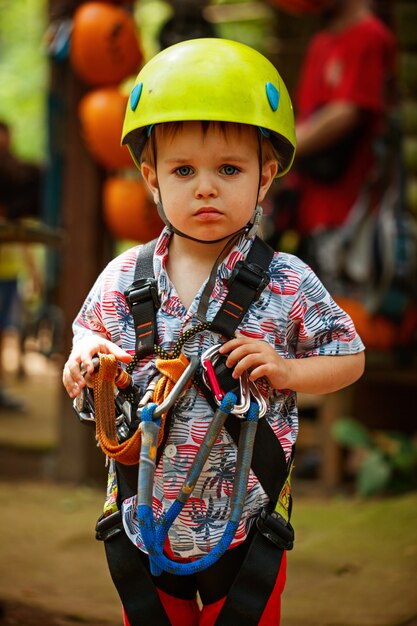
(248, 280)
(136, 589)
(252, 587)
(133, 582)
(143, 300)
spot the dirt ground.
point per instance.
(17, 614)
(354, 563)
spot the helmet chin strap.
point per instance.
(250, 229)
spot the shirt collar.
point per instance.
(225, 269)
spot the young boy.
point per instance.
(210, 124)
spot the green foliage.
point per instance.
(352, 434)
(248, 22)
(23, 74)
(150, 15)
(374, 474)
(388, 460)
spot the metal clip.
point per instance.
(209, 358)
(148, 395)
(83, 405)
(176, 391)
(254, 391)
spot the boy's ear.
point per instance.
(269, 171)
(151, 179)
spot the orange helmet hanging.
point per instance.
(129, 211)
(104, 44)
(101, 113)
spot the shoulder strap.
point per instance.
(248, 280)
(143, 300)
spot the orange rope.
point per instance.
(128, 451)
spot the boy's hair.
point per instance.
(172, 128)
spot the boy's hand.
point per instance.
(258, 358)
(83, 353)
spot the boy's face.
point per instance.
(208, 181)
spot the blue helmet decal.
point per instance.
(135, 96)
(272, 95)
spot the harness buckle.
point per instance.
(274, 527)
(108, 526)
(252, 275)
(143, 290)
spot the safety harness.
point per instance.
(262, 452)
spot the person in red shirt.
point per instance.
(345, 88)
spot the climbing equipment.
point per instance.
(213, 80)
(209, 359)
(258, 449)
(154, 534)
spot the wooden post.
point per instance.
(85, 251)
(333, 406)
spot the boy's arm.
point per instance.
(314, 374)
(324, 374)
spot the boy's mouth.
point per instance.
(207, 210)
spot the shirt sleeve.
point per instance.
(89, 320)
(322, 327)
(105, 311)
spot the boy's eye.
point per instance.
(229, 170)
(184, 170)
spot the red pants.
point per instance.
(187, 612)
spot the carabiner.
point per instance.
(176, 391)
(209, 358)
(83, 405)
(148, 395)
(254, 391)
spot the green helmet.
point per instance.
(211, 80)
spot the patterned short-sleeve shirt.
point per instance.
(295, 314)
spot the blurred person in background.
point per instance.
(345, 89)
(20, 184)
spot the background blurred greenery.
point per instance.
(23, 74)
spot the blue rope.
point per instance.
(159, 562)
(154, 534)
(146, 415)
(228, 402)
(253, 414)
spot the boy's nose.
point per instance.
(205, 187)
